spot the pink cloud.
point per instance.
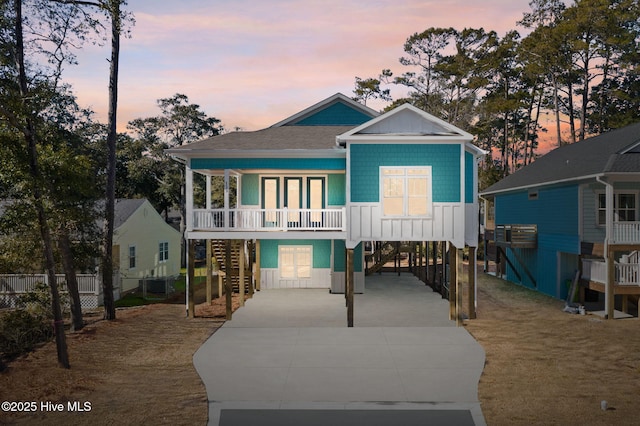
(252, 64)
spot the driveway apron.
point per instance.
(287, 358)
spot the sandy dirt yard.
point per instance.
(544, 367)
(547, 367)
(135, 370)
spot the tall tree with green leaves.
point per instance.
(21, 112)
(180, 122)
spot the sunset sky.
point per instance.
(252, 63)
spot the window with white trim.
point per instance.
(295, 262)
(624, 207)
(132, 257)
(163, 251)
(406, 191)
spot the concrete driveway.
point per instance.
(287, 357)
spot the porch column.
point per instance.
(209, 270)
(241, 262)
(191, 254)
(471, 286)
(609, 297)
(455, 275)
(228, 284)
(349, 284)
(453, 281)
(250, 246)
(257, 275)
(226, 199)
(188, 196)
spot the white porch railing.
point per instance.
(626, 233)
(625, 273)
(270, 219)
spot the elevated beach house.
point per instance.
(573, 209)
(315, 186)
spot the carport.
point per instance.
(286, 358)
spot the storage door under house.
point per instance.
(295, 266)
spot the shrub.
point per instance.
(21, 331)
(30, 323)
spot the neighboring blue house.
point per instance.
(575, 208)
(314, 186)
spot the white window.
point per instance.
(624, 207)
(295, 262)
(406, 191)
(163, 251)
(132, 257)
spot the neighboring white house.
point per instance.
(144, 245)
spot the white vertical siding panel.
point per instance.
(376, 222)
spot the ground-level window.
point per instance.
(132, 257)
(295, 262)
(406, 191)
(624, 207)
(163, 251)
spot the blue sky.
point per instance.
(252, 63)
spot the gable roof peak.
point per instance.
(407, 120)
(331, 100)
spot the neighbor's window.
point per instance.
(132, 257)
(624, 208)
(406, 191)
(295, 262)
(163, 251)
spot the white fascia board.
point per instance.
(266, 153)
(414, 139)
(476, 151)
(630, 148)
(425, 115)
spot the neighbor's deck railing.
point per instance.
(520, 236)
(625, 273)
(626, 233)
(270, 219)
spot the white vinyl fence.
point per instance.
(89, 287)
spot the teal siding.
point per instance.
(542, 263)
(366, 161)
(340, 257)
(469, 181)
(555, 212)
(338, 114)
(250, 190)
(337, 190)
(269, 163)
(321, 252)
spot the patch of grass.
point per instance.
(135, 299)
(180, 285)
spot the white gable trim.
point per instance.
(631, 148)
(455, 132)
(322, 104)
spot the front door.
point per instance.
(270, 201)
(293, 200)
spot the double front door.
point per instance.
(304, 198)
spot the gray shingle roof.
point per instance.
(124, 208)
(272, 138)
(594, 156)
